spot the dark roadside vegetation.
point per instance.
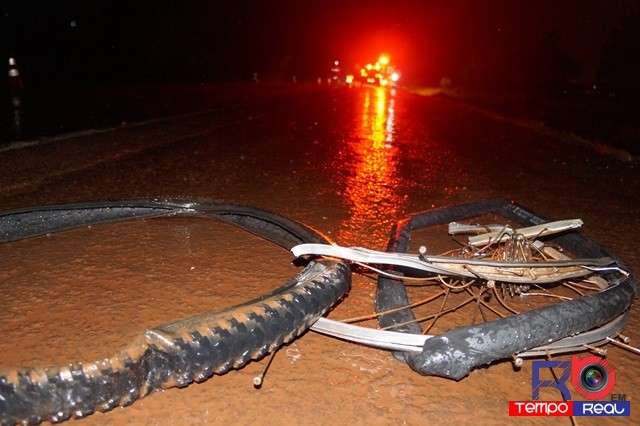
(604, 112)
(601, 119)
(49, 113)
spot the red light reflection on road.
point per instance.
(372, 180)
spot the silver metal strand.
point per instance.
(502, 302)
(407, 342)
(583, 286)
(624, 345)
(505, 230)
(485, 304)
(573, 288)
(455, 287)
(389, 311)
(395, 276)
(444, 302)
(428, 317)
(383, 339)
(557, 296)
(534, 231)
(606, 269)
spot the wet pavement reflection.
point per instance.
(370, 163)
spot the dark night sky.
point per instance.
(100, 42)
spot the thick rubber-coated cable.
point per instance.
(179, 353)
(454, 354)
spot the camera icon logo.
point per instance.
(592, 377)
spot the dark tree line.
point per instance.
(619, 70)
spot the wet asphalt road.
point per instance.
(349, 162)
(372, 155)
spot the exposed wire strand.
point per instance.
(389, 311)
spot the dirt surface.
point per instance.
(347, 162)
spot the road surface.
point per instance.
(349, 162)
